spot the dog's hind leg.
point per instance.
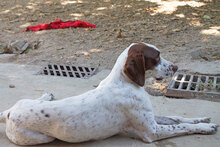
(21, 136)
(46, 97)
(170, 120)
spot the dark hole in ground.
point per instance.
(187, 78)
(51, 72)
(71, 74)
(77, 75)
(55, 66)
(87, 69)
(179, 77)
(193, 86)
(68, 68)
(58, 73)
(184, 86)
(203, 79)
(49, 66)
(61, 67)
(64, 74)
(176, 85)
(195, 78)
(74, 68)
(80, 68)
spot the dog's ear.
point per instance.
(134, 67)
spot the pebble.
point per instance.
(11, 86)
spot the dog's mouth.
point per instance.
(159, 78)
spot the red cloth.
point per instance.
(60, 24)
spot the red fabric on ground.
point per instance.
(60, 24)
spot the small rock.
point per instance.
(12, 21)
(18, 46)
(171, 50)
(206, 17)
(148, 37)
(174, 18)
(59, 10)
(198, 55)
(137, 14)
(11, 86)
(118, 35)
(33, 20)
(176, 30)
(35, 44)
(88, 57)
(2, 48)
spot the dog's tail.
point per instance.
(3, 116)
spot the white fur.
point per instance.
(116, 105)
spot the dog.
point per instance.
(118, 104)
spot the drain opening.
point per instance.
(200, 87)
(49, 66)
(55, 66)
(187, 78)
(211, 80)
(176, 85)
(51, 72)
(58, 73)
(195, 78)
(80, 68)
(203, 79)
(74, 68)
(193, 86)
(68, 71)
(179, 77)
(87, 70)
(71, 75)
(184, 86)
(68, 68)
(45, 72)
(64, 74)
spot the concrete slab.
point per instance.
(201, 67)
(29, 85)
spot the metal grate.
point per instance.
(194, 86)
(68, 71)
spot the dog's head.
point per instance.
(142, 57)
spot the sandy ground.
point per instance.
(177, 28)
(184, 31)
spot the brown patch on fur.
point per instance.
(140, 58)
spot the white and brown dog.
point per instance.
(118, 104)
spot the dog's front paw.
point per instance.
(209, 128)
(205, 120)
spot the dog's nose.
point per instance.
(174, 68)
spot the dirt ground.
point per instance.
(184, 31)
